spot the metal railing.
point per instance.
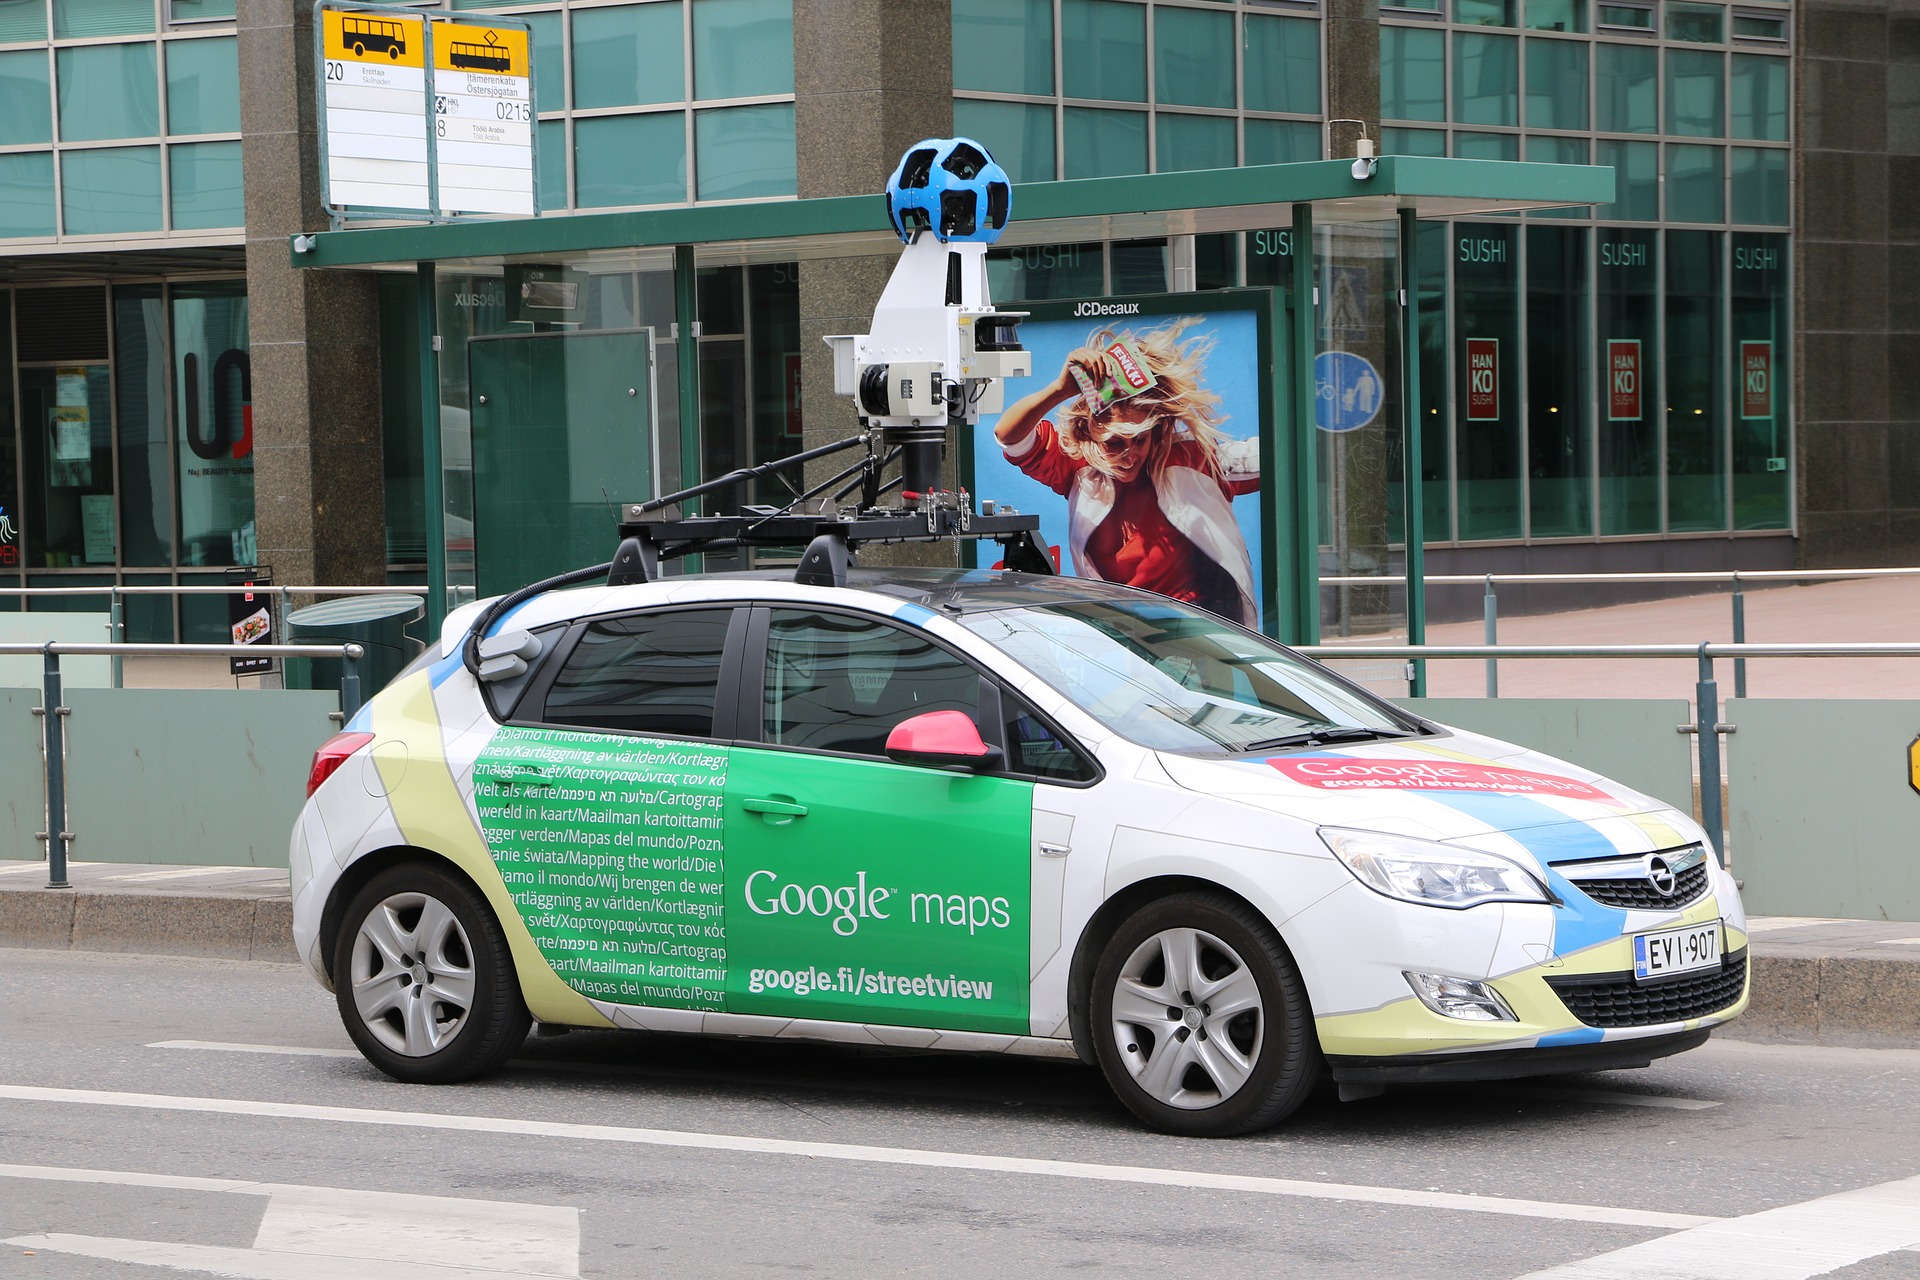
(53, 712)
(116, 608)
(1735, 579)
(1706, 726)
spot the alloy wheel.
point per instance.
(412, 974)
(1188, 1019)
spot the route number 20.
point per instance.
(336, 71)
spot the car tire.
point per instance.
(1200, 1021)
(424, 979)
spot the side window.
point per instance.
(840, 683)
(1035, 749)
(646, 673)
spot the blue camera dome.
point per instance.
(951, 187)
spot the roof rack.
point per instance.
(830, 540)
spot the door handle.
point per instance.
(774, 808)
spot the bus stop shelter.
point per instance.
(1330, 209)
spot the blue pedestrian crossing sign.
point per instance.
(1348, 391)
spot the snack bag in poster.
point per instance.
(1124, 374)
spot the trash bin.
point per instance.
(376, 623)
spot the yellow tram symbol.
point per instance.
(378, 35)
(488, 56)
(465, 46)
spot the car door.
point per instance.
(860, 889)
(601, 805)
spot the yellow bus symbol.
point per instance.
(362, 34)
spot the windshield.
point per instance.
(1177, 679)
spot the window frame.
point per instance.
(531, 709)
(751, 692)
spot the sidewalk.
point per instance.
(1824, 981)
(1866, 609)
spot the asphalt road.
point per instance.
(161, 1117)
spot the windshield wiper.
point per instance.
(1324, 735)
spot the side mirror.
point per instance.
(941, 738)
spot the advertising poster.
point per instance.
(1137, 440)
(250, 617)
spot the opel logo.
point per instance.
(1661, 875)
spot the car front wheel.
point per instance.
(424, 979)
(1200, 1021)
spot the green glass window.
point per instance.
(1486, 79)
(1626, 89)
(742, 48)
(1696, 444)
(66, 422)
(1694, 99)
(1413, 142)
(1413, 74)
(1698, 23)
(1759, 97)
(1694, 181)
(1484, 13)
(549, 62)
(108, 91)
(1216, 261)
(1486, 146)
(603, 169)
(1558, 151)
(1636, 178)
(1108, 50)
(1560, 473)
(1035, 271)
(203, 86)
(1748, 26)
(1019, 135)
(1282, 141)
(79, 19)
(552, 153)
(1486, 361)
(1762, 344)
(22, 21)
(1633, 16)
(1626, 309)
(1270, 257)
(110, 189)
(210, 362)
(1281, 63)
(140, 400)
(1139, 266)
(1418, 6)
(627, 56)
(1556, 84)
(1760, 186)
(204, 178)
(1193, 57)
(1100, 143)
(1557, 15)
(1193, 142)
(26, 109)
(26, 193)
(744, 151)
(1002, 46)
(203, 10)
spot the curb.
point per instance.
(166, 924)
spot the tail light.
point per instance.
(332, 754)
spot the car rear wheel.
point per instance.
(1200, 1021)
(424, 979)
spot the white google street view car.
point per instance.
(989, 812)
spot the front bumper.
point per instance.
(1512, 1064)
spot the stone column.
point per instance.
(318, 470)
(871, 78)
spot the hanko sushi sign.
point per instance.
(251, 615)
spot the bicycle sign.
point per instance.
(1348, 391)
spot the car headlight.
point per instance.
(1430, 873)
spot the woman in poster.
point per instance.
(1130, 436)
